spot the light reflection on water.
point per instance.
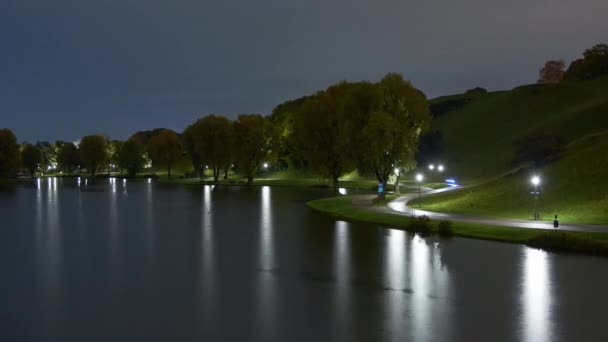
(342, 270)
(536, 296)
(266, 285)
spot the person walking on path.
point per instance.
(555, 222)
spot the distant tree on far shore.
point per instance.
(256, 142)
(31, 157)
(207, 141)
(552, 72)
(131, 157)
(93, 152)
(68, 157)
(165, 148)
(9, 153)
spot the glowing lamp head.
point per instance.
(396, 170)
(265, 165)
(431, 167)
(535, 180)
(419, 177)
(440, 168)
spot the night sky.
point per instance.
(69, 68)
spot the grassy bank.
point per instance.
(577, 242)
(575, 187)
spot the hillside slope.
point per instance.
(575, 187)
(478, 138)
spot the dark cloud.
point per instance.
(68, 68)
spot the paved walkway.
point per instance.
(400, 206)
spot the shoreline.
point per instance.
(591, 243)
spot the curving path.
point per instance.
(400, 206)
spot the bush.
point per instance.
(445, 229)
(476, 90)
(421, 225)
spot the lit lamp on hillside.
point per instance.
(440, 168)
(535, 182)
(431, 167)
(265, 166)
(419, 179)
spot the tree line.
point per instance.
(372, 127)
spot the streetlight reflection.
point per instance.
(536, 296)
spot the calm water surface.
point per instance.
(138, 261)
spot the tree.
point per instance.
(31, 157)
(68, 157)
(208, 142)
(9, 153)
(552, 72)
(593, 64)
(165, 148)
(256, 141)
(389, 138)
(93, 152)
(114, 147)
(131, 157)
(323, 132)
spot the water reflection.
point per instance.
(266, 286)
(207, 255)
(342, 271)
(395, 284)
(48, 240)
(536, 296)
(416, 288)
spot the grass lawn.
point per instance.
(575, 187)
(593, 243)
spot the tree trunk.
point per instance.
(216, 174)
(249, 180)
(168, 170)
(334, 181)
(226, 172)
(397, 184)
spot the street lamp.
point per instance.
(431, 167)
(440, 168)
(419, 179)
(535, 182)
(265, 165)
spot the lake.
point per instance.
(115, 260)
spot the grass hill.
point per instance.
(478, 138)
(479, 150)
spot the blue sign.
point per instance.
(380, 187)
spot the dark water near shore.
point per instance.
(139, 261)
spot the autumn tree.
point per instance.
(68, 157)
(165, 148)
(131, 157)
(593, 64)
(324, 133)
(9, 153)
(552, 72)
(31, 157)
(389, 138)
(93, 152)
(207, 142)
(256, 142)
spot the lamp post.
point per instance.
(535, 182)
(419, 178)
